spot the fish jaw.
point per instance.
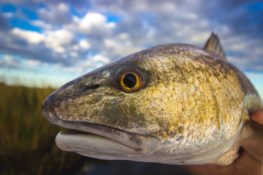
(100, 147)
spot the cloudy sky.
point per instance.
(50, 42)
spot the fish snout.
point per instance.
(71, 90)
(52, 101)
(48, 107)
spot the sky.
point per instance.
(49, 42)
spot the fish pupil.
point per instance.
(129, 80)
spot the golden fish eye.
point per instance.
(131, 81)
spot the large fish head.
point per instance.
(155, 106)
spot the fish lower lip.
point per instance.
(76, 133)
(73, 132)
(91, 145)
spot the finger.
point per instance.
(245, 165)
(257, 117)
(204, 169)
(252, 139)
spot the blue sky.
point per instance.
(51, 42)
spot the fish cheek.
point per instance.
(122, 113)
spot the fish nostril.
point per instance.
(93, 86)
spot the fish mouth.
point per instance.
(80, 129)
(82, 136)
(92, 139)
(103, 142)
(121, 137)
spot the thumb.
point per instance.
(252, 136)
(257, 117)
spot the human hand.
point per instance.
(249, 162)
(258, 117)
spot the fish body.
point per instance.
(172, 104)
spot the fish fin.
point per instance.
(213, 45)
(252, 139)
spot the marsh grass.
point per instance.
(27, 138)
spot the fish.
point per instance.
(169, 104)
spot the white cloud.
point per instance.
(42, 24)
(55, 14)
(168, 7)
(93, 22)
(63, 8)
(119, 45)
(201, 37)
(119, 48)
(92, 62)
(83, 66)
(84, 44)
(8, 61)
(29, 36)
(101, 59)
(74, 54)
(238, 46)
(57, 39)
(53, 39)
(32, 63)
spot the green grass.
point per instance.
(26, 138)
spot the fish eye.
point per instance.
(130, 81)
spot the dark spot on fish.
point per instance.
(92, 86)
(214, 133)
(178, 138)
(135, 140)
(173, 133)
(180, 129)
(167, 142)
